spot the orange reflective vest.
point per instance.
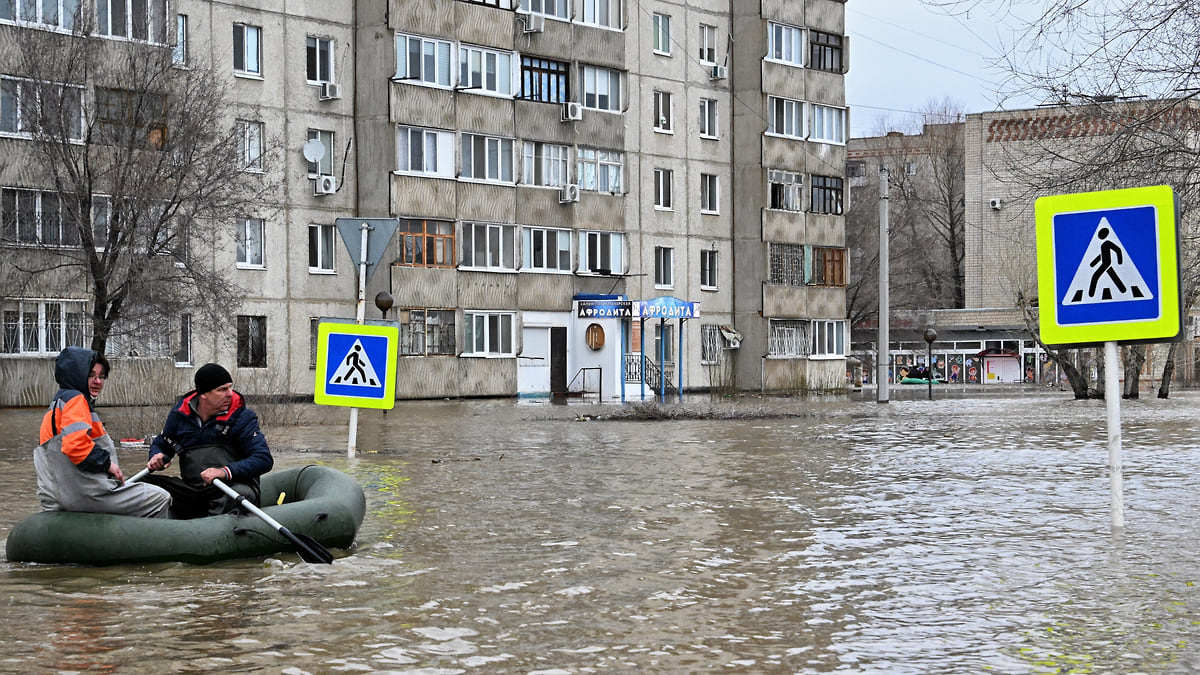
(70, 415)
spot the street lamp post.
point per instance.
(930, 336)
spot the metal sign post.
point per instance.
(1112, 401)
(359, 315)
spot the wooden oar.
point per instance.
(309, 549)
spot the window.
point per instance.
(543, 80)
(708, 269)
(785, 189)
(709, 193)
(662, 34)
(321, 248)
(34, 217)
(786, 117)
(600, 170)
(426, 243)
(664, 342)
(910, 168)
(488, 334)
(130, 118)
(708, 118)
(605, 13)
(556, 8)
(601, 89)
(314, 325)
(664, 267)
(319, 59)
(828, 266)
(426, 332)
(489, 246)
(250, 243)
(546, 164)
(712, 343)
(247, 50)
(856, 171)
(180, 54)
(546, 250)
(601, 253)
(50, 13)
(663, 113)
(134, 19)
(708, 44)
(487, 158)
(250, 139)
(785, 264)
(421, 59)
(43, 326)
(825, 51)
(323, 166)
(827, 195)
(828, 124)
(829, 338)
(425, 151)
(784, 44)
(183, 355)
(485, 70)
(106, 221)
(789, 338)
(27, 107)
(251, 341)
(662, 188)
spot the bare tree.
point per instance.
(926, 217)
(146, 175)
(1093, 62)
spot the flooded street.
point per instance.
(949, 536)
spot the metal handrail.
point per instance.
(600, 381)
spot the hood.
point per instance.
(72, 367)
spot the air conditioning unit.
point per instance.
(568, 193)
(330, 91)
(532, 23)
(325, 185)
(996, 204)
(718, 73)
(572, 111)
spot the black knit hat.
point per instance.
(210, 376)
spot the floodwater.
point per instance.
(950, 536)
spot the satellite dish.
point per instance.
(314, 150)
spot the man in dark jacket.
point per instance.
(215, 436)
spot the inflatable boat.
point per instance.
(318, 501)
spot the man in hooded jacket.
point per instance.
(215, 436)
(76, 463)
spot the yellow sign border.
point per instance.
(324, 329)
(1169, 326)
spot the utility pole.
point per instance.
(882, 346)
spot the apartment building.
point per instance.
(594, 196)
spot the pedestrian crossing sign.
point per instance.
(1110, 263)
(356, 365)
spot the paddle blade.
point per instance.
(310, 550)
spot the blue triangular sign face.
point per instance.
(379, 235)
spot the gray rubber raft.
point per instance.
(319, 501)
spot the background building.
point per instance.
(677, 160)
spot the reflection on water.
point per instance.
(960, 536)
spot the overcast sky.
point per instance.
(903, 55)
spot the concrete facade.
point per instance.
(534, 159)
